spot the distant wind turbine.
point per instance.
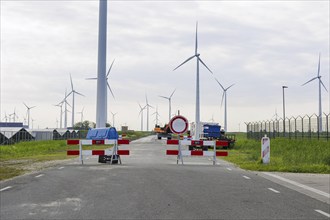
(65, 110)
(28, 113)
(147, 105)
(320, 100)
(14, 116)
(141, 113)
(169, 104)
(5, 118)
(61, 112)
(73, 92)
(197, 55)
(224, 95)
(113, 118)
(82, 115)
(157, 115)
(107, 78)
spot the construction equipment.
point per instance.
(163, 132)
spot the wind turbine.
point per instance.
(147, 105)
(14, 115)
(224, 95)
(5, 118)
(113, 118)
(61, 111)
(169, 104)
(73, 92)
(28, 113)
(197, 55)
(82, 115)
(320, 100)
(107, 78)
(141, 113)
(157, 114)
(65, 110)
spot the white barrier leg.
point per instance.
(215, 152)
(80, 152)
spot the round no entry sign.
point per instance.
(178, 124)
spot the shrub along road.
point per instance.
(150, 185)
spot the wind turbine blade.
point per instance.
(185, 62)
(79, 93)
(90, 78)
(223, 95)
(204, 64)
(33, 107)
(196, 41)
(110, 90)
(25, 105)
(164, 97)
(67, 95)
(309, 81)
(172, 93)
(318, 68)
(219, 84)
(71, 82)
(110, 67)
(323, 85)
(230, 86)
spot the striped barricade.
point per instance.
(186, 153)
(113, 152)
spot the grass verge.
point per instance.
(22, 157)
(299, 156)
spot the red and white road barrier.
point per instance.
(113, 151)
(184, 153)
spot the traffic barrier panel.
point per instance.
(181, 153)
(113, 151)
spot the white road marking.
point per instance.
(275, 191)
(3, 189)
(40, 175)
(60, 168)
(323, 213)
(218, 163)
(228, 168)
(246, 177)
(299, 184)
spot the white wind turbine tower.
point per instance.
(320, 100)
(101, 94)
(169, 104)
(197, 116)
(28, 113)
(113, 118)
(65, 110)
(224, 95)
(147, 105)
(73, 92)
(141, 113)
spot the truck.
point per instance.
(212, 131)
(163, 132)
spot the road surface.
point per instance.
(150, 185)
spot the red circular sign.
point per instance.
(178, 124)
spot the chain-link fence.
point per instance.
(301, 127)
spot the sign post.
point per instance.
(265, 150)
(179, 125)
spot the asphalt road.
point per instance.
(150, 185)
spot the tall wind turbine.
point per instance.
(169, 104)
(65, 110)
(14, 116)
(320, 100)
(28, 113)
(197, 55)
(147, 105)
(73, 92)
(101, 95)
(141, 113)
(224, 95)
(157, 115)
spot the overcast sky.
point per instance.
(258, 45)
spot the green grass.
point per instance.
(303, 156)
(14, 158)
